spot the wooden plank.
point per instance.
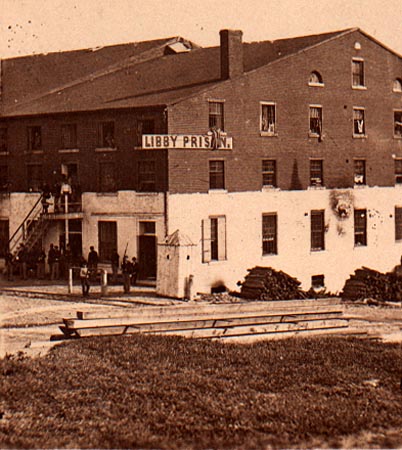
(73, 324)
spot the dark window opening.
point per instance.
(268, 118)
(269, 234)
(398, 124)
(398, 171)
(4, 237)
(69, 136)
(216, 119)
(359, 172)
(144, 126)
(315, 120)
(317, 281)
(357, 73)
(317, 230)
(3, 140)
(34, 138)
(360, 225)
(316, 172)
(315, 78)
(398, 223)
(34, 177)
(216, 174)
(214, 239)
(146, 176)
(269, 172)
(107, 177)
(106, 135)
(359, 126)
(4, 180)
(107, 232)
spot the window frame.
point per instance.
(30, 180)
(213, 115)
(397, 85)
(317, 244)
(268, 105)
(111, 244)
(70, 126)
(397, 135)
(214, 174)
(214, 248)
(269, 236)
(319, 83)
(312, 133)
(360, 229)
(144, 177)
(31, 145)
(398, 173)
(364, 133)
(101, 184)
(321, 173)
(356, 174)
(101, 135)
(398, 223)
(267, 173)
(361, 74)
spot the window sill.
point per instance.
(398, 185)
(33, 152)
(270, 188)
(316, 188)
(6, 153)
(147, 194)
(69, 150)
(397, 136)
(105, 149)
(217, 191)
(268, 134)
(360, 136)
(314, 135)
(268, 255)
(360, 246)
(360, 88)
(316, 84)
(215, 261)
(317, 250)
(360, 186)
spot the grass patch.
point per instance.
(169, 392)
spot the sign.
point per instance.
(216, 141)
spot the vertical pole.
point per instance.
(70, 280)
(66, 213)
(104, 282)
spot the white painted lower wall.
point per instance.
(244, 212)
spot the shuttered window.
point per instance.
(317, 230)
(269, 234)
(214, 239)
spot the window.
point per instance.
(315, 79)
(107, 233)
(398, 223)
(146, 176)
(4, 182)
(398, 171)
(268, 118)
(269, 172)
(317, 281)
(216, 119)
(144, 126)
(214, 239)
(316, 172)
(216, 175)
(34, 177)
(360, 219)
(359, 126)
(3, 140)
(4, 236)
(357, 73)
(359, 172)
(269, 234)
(70, 171)
(107, 176)
(397, 86)
(315, 121)
(34, 138)
(398, 124)
(106, 135)
(69, 136)
(317, 230)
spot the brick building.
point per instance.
(279, 153)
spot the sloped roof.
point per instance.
(178, 239)
(127, 75)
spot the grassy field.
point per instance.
(159, 392)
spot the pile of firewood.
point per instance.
(367, 283)
(265, 283)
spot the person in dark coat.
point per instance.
(126, 268)
(93, 260)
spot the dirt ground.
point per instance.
(29, 315)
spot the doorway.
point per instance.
(147, 251)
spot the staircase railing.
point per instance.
(30, 223)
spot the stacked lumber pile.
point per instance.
(367, 283)
(265, 283)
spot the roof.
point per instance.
(135, 75)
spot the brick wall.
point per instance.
(88, 158)
(285, 82)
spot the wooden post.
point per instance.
(70, 280)
(104, 282)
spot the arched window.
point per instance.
(315, 78)
(397, 85)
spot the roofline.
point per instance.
(379, 43)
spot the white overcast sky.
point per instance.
(40, 26)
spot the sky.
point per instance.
(42, 26)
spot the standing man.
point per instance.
(93, 260)
(40, 264)
(134, 271)
(126, 268)
(115, 265)
(84, 277)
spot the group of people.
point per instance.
(56, 194)
(31, 262)
(88, 270)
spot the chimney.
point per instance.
(231, 53)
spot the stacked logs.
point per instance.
(367, 283)
(265, 283)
